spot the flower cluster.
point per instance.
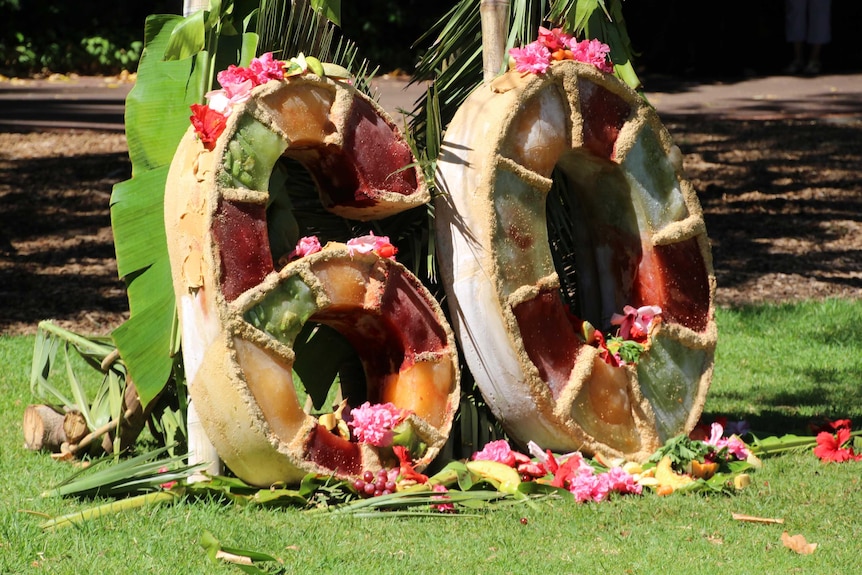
(632, 336)
(210, 119)
(725, 448)
(371, 243)
(374, 423)
(577, 475)
(553, 45)
(362, 245)
(635, 323)
(236, 83)
(571, 472)
(834, 443)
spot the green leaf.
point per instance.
(144, 339)
(187, 37)
(135, 475)
(157, 108)
(156, 119)
(319, 357)
(138, 220)
(110, 508)
(329, 8)
(78, 392)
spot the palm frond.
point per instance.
(287, 28)
(138, 474)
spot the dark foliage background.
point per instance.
(731, 38)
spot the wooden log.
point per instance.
(43, 428)
(74, 426)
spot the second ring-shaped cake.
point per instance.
(639, 239)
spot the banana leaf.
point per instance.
(178, 66)
(156, 118)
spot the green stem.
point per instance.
(79, 517)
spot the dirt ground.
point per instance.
(782, 201)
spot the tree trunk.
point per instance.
(192, 6)
(495, 16)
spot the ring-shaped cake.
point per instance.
(240, 312)
(586, 141)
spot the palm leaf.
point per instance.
(138, 474)
(601, 19)
(107, 402)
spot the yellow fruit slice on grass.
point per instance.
(506, 477)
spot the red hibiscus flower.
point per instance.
(407, 471)
(830, 447)
(208, 123)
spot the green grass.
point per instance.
(777, 366)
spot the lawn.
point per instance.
(779, 367)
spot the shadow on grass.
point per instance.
(56, 247)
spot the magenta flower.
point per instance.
(498, 451)
(635, 323)
(534, 58)
(620, 481)
(373, 424)
(234, 75)
(265, 68)
(593, 52)
(586, 486)
(306, 246)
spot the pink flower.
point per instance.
(620, 481)
(306, 246)
(593, 52)
(442, 507)
(498, 451)
(635, 323)
(224, 100)
(586, 486)
(554, 39)
(235, 75)
(371, 243)
(265, 68)
(734, 445)
(373, 424)
(534, 58)
(168, 484)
